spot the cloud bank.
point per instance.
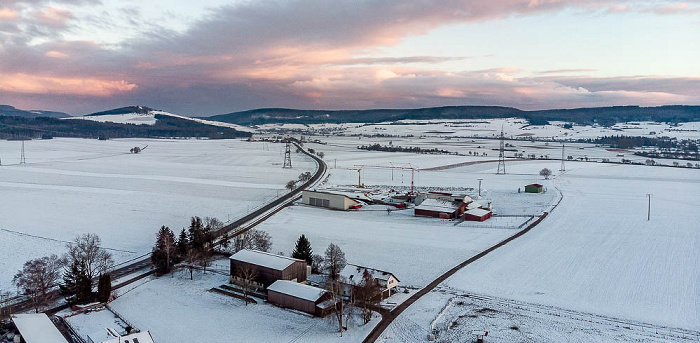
(300, 53)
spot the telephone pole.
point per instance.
(22, 158)
(480, 187)
(649, 207)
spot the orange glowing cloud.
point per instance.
(55, 54)
(7, 14)
(34, 84)
(53, 17)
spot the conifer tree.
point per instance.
(303, 250)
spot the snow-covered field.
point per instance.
(597, 252)
(73, 186)
(516, 128)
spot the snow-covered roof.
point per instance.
(478, 212)
(297, 290)
(37, 328)
(473, 205)
(437, 205)
(140, 337)
(264, 259)
(353, 273)
(348, 194)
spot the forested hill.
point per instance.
(165, 126)
(600, 115)
(11, 111)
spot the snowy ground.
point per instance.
(453, 315)
(74, 186)
(177, 309)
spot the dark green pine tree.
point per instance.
(104, 288)
(182, 245)
(69, 287)
(77, 285)
(303, 249)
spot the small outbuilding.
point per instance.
(37, 328)
(534, 188)
(269, 267)
(309, 299)
(333, 201)
(477, 214)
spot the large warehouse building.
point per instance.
(328, 200)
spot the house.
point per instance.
(534, 188)
(330, 200)
(37, 328)
(477, 214)
(352, 275)
(268, 267)
(309, 299)
(437, 208)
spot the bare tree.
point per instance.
(365, 295)
(316, 263)
(85, 250)
(321, 154)
(254, 240)
(546, 173)
(37, 277)
(248, 276)
(291, 185)
(335, 289)
(191, 261)
(334, 261)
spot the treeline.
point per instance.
(413, 149)
(627, 142)
(165, 127)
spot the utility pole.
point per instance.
(480, 187)
(649, 207)
(563, 168)
(22, 158)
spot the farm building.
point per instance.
(269, 267)
(353, 275)
(328, 200)
(439, 209)
(534, 188)
(290, 294)
(37, 328)
(477, 214)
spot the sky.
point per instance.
(211, 57)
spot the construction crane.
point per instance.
(392, 167)
(359, 175)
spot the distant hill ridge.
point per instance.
(600, 115)
(11, 111)
(124, 110)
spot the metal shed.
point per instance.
(534, 188)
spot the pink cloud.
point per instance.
(34, 84)
(53, 17)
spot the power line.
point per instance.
(287, 156)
